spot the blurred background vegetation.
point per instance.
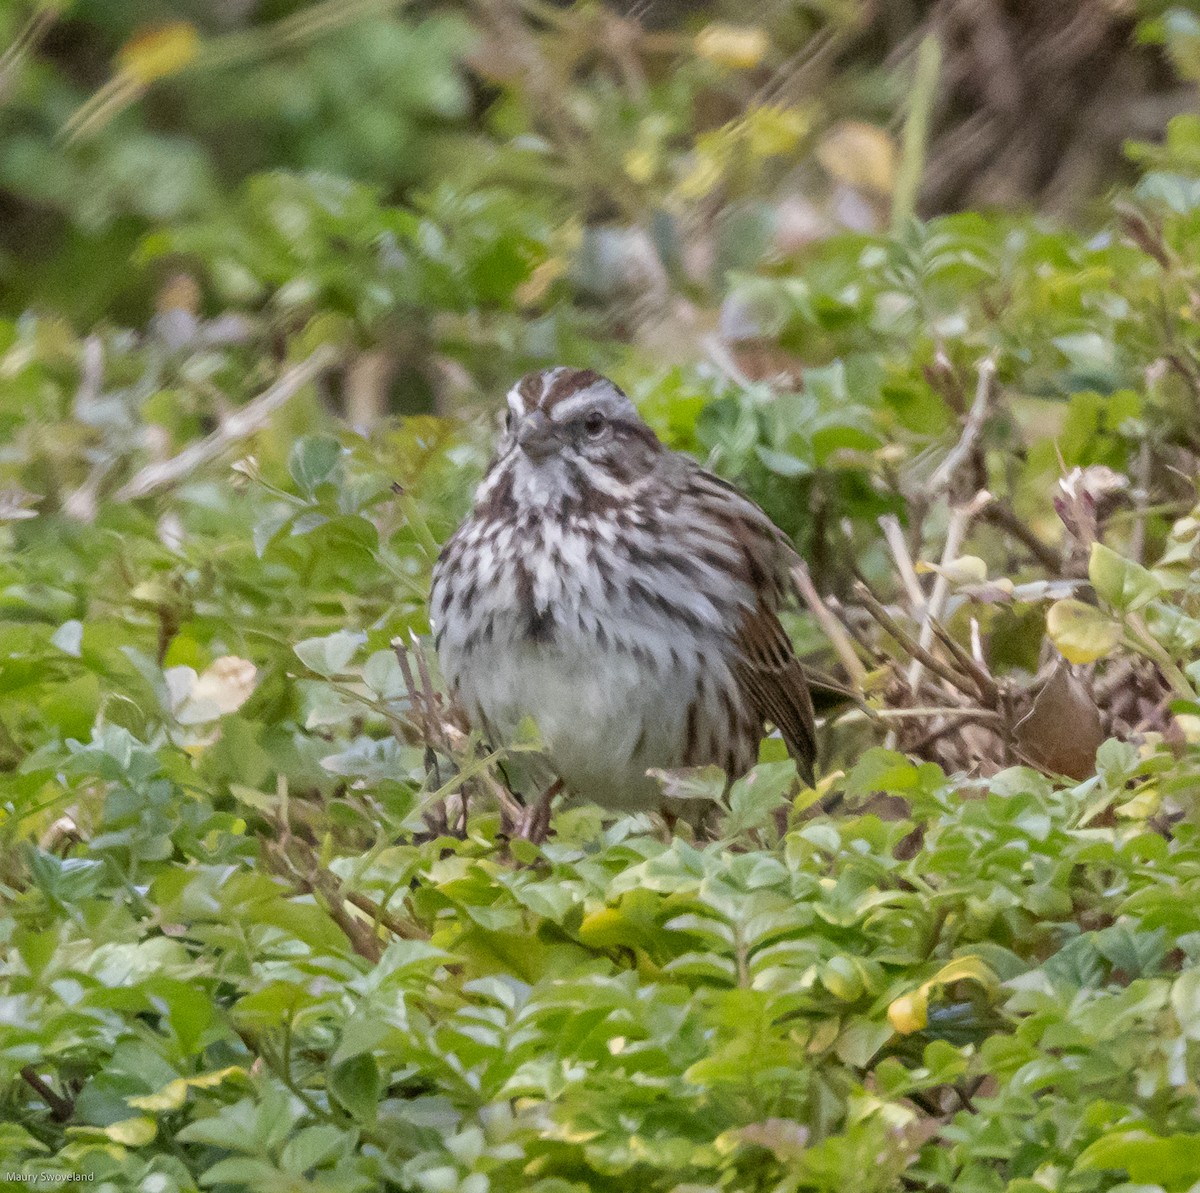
(920, 275)
(588, 155)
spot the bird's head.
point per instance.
(571, 431)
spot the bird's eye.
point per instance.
(593, 423)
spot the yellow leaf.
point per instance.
(640, 164)
(537, 285)
(1081, 632)
(772, 131)
(173, 1095)
(736, 47)
(1189, 726)
(908, 1013)
(964, 969)
(860, 155)
(132, 1132)
(156, 53)
(701, 177)
(966, 569)
(604, 929)
(1143, 805)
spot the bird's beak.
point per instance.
(536, 436)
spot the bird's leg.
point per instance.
(536, 825)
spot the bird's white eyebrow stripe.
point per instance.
(568, 408)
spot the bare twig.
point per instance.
(911, 646)
(961, 517)
(61, 1108)
(1001, 515)
(977, 644)
(988, 689)
(976, 420)
(26, 41)
(866, 647)
(250, 418)
(966, 712)
(424, 713)
(833, 630)
(404, 929)
(894, 536)
(435, 722)
(512, 811)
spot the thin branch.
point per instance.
(379, 913)
(893, 534)
(961, 517)
(866, 648)
(61, 1108)
(425, 715)
(911, 646)
(250, 418)
(430, 699)
(26, 41)
(988, 688)
(1141, 502)
(833, 630)
(976, 420)
(1001, 515)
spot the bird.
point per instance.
(621, 596)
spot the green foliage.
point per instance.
(263, 929)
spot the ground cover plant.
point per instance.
(261, 928)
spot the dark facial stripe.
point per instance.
(499, 503)
(530, 389)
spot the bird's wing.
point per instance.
(773, 678)
(766, 663)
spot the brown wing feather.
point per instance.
(767, 667)
(774, 681)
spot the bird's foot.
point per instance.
(535, 826)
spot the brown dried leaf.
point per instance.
(1063, 729)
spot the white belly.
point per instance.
(610, 681)
(604, 717)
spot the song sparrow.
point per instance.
(619, 595)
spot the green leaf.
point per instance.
(1185, 1002)
(355, 1084)
(312, 1146)
(1172, 1161)
(757, 796)
(312, 462)
(1120, 582)
(329, 655)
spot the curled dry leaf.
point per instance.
(860, 155)
(966, 569)
(735, 47)
(222, 688)
(1063, 730)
